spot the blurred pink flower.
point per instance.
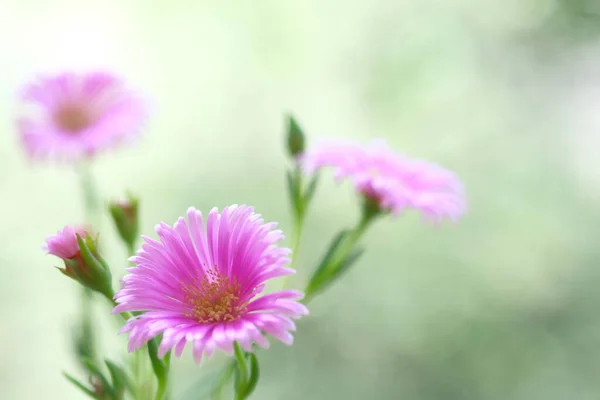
(64, 243)
(76, 115)
(200, 284)
(395, 182)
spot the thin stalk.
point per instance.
(299, 216)
(296, 241)
(161, 369)
(91, 202)
(91, 198)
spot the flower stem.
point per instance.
(162, 389)
(299, 204)
(160, 367)
(90, 202)
(296, 239)
(91, 199)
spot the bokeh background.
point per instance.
(502, 305)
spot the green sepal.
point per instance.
(94, 272)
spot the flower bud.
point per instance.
(79, 251)
(295, 138)
(125, 216)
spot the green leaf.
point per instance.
(344, 266)
(242, 370)
(160, 369)
(310, 190)
(254, 375)
(80, 386)
(119, 378)
(96, 372)
(322, 269)
(83, 339)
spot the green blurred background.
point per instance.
(502, 305)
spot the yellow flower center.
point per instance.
(72, 119)
(213, 298)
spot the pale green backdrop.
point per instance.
(502, 305)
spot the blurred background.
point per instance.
(502, 305)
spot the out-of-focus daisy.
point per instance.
(74, 116)
(202, 284)
(396, 183)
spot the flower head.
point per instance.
(76, 115)
(396, 183)
(78, 249)
(202, 284)
(64, 244)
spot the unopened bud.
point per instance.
(125, 216)
(295, 138)
(79, 251)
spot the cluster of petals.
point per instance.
(396, 182)
(201, 283)
(64, 244)
(72, 116)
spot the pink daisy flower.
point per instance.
(202, 284)
(76, 115)
(395, 182)
(64, 244)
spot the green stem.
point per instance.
(242, 364)
(161, 369)
(161, 376)
(131, 249)
(296, 240)
(90, 202)
(162, 389)
(90, 195)
(299, 213)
